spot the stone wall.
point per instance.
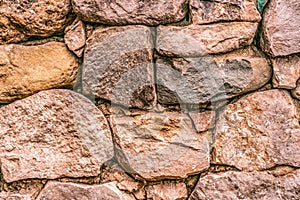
(143, 99)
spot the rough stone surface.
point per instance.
(116, 12)
(53, 134)
(159, 145)
(204, 11)
(167, 191)
(118, 66)
(72, 191)
(258, 131)
(203, 120)
(286, 71)
(198, 40)
(247, 185)
(281, 33)
(75, 37)
(210, 78)
(25, 70)
(12, 196)
(8, 32)
(36, 18)
(296, 91)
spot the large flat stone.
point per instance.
(70, 191)
(159, 145)
(25, 70)
(259, 131)
(116, 12)
(118, 66)
(199, 40)
(52, 134)
(281, 33)
(36, 18)
(210, 78)
(208, 11)
(247, 185)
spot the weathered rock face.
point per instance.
(258, 131)
(118, 66)
(204, 11)
(200, 80)
(75, 37)
(199, 40)
(9, 196)
(296, 91)
(36, 18)
(286, 71)
(115, 12)
(52, 134)
(70, 191)
(8, 32)
(25, 70)
(167, 191)
(281, 34)
(247, 185)
(203, 120)
(159, 145)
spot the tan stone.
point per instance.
(159, 145)
(257, 132)
(75, 37)
(203, 120)
(115, 12)
(25, 70)
(204, 11)
(37, 18)
(52, 134)
(247, 185)
(167, 191)
(211, 78)
(280, 28)
(8, 32)
(118, 66)
(286, 71)
(198, 40)
(70, 191)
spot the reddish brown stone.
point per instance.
(280, 34)
(167, 191)
(296, 91)
(204, 11)
(118, 66)
(70, 191)
(286, 71)
(211, 78)
(75, 37)
(8, 32)
(247, 185)
(259, 131)
(203, 120)
(198, 40)
(159, 145)
(52, 134)
(115, 12)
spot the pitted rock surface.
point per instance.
(52, 134)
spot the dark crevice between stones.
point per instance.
(281, 170)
